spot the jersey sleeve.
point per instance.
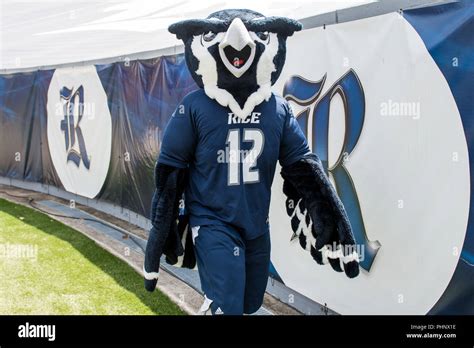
(179, 140)
(293, 144)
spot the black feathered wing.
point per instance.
(168, 234)
(318, 217)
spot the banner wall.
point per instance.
(384, 102)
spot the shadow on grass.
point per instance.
(120, 271)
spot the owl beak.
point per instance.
(237, 49)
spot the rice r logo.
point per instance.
(314, 121)
(73, 102)
(79, 129)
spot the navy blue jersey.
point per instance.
(231, 161)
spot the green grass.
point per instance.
(70, 275)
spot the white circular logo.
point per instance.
(406, 171)
(79, 129)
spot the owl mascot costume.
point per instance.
(217, 162)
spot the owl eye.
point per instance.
(208, 36)
(262, 35)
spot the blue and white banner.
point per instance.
(385, 102)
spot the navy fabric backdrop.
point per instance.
(141, 97)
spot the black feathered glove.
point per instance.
(179, 248)
(318, 217)
(164, 236)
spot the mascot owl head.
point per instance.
(236, 55)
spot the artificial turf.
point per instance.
(69, 273)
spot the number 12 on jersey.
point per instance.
(245, 160)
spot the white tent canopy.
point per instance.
(52, 32)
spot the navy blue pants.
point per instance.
(233, 271)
